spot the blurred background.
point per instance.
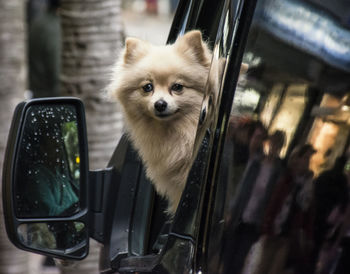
(66, 48)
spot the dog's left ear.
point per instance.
(191, 43)
(134, 50)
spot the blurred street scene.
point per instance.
(148, 19)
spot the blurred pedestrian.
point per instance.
(152, 6)
(44, 52)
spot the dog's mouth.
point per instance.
(164, 115)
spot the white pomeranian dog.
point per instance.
(161, 91)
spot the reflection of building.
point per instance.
(284, 107)
(329, 132)
(293, 84)
(285, 113)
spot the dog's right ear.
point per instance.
(134, 50)
(192, 43)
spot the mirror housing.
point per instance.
(45, 178)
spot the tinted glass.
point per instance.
(282, 198)
(47, 172)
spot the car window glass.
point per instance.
(282, 195)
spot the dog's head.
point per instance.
(162, 82)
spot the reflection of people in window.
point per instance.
(253, 194)
(331, 201)
(268, 169)
(288, 220)
(240, 146)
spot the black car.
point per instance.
(269, 190)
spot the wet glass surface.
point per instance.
(66, 237)
(282, 198)
(47, 172)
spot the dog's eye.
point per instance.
(148, 87)
(177, 87)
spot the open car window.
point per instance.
(282, 194)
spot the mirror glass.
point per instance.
(66, 237)
(47, 171)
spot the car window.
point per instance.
(282, 194)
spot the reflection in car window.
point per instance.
(282, 199)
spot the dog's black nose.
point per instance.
(160, 105)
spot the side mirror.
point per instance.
(45, 178)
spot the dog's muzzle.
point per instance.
(163, 110)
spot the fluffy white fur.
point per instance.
(164, 142)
